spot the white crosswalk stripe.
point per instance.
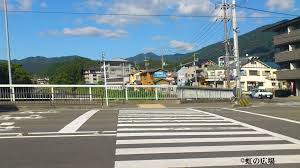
(158, 138)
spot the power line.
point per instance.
(134, 15)
(266, 11)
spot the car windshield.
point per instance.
(262, 90)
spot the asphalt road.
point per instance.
(166, 137)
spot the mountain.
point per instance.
(40, 65)
(256, 42)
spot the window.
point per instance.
(266, 73)
(243, 73)
(260, 83)
(273, 84)
(253, 73)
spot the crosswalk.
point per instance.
(165, 138)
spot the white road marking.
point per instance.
(39, 112)
(264, 115)
(202, 162)
(167, 121)
(7, 123)
(30, 117)
(190, 140)
(164, 115)
(189, 133)
(56, 136)
(191, 149)
(173, 124)
(290, 139)
(168, 118)
(78, 122)
(182, 128)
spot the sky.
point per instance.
(70, 32)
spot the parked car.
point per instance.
(261, 94)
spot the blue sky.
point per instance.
(54, 35)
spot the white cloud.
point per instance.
(181, 45)
(281, 4)
(151, 7)
(159, 38)
(195, 6)
(24, 4)
(43, 4)
(94, 4)
(87, 32)
(94, 32)
(260, 14)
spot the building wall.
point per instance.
(265, 76)
(147, 78)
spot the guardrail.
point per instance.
(96, 93)
(92, 93)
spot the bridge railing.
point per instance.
(96, 93)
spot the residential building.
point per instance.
(254, 73)
(150, 77)
(117, 72)
(190, 71)
(287, 52)
(42, 81)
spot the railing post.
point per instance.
(126, 93)
(90, 93)
(12, 95)
(156, 93)
(52, 94)
(181, 93)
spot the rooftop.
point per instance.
(283, 24)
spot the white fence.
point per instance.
(96, 93)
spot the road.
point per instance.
(151, 137)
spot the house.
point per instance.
(287, 52)
(117, 72)
(42, 81)
(148, 77)
(254, 73)
(194, 71)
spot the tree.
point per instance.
(19, 74)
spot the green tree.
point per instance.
(19, 74)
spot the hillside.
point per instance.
(40, 65)
(256, 42)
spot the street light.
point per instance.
(8, 53)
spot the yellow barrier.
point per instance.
(244, 102)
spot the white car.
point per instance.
(261, 93)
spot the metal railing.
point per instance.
(92, 93)
(96, 93)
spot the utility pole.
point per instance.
(8, 53)
(195, 73)
(162, 61)
(146, 62)
(123, 73)
(236, 49)
(105, 82)
(226, 42)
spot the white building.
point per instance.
(117, 72)
(254, 73)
